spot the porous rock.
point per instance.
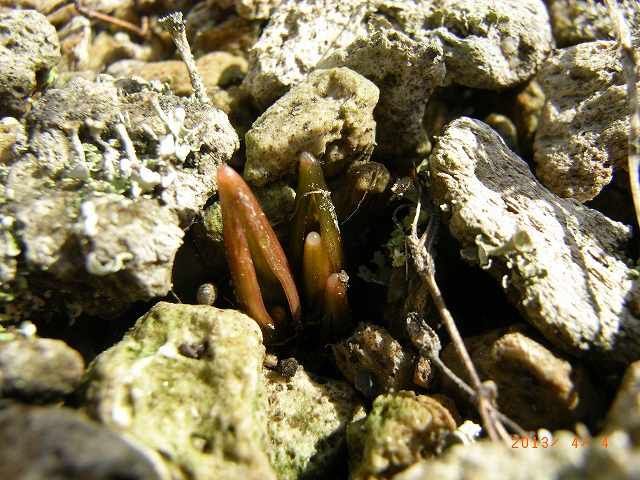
(583, 130)
(400, 430)
(38, 369)
(373, 361)
(486, 44)
(561, 263)
(306, 420)
(61, 444)
(329, 115)
(29, 47)
(624, 413)
(536, 386)
(565, 457)
(186, 383)
(111, 175)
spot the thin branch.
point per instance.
(141, 31)
(629, 62)
(420, 250)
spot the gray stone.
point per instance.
(29, 48)
(330, 115)
(584, 126)
(562, 264)
(186, 382)
(38, 369)
(401, 429)
(113, 172)
(569, 458)
(60, 444)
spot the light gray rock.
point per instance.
(60, 444)
(186, 383)
(565, 460)
(562, 264)
(624, 413)
(29, 47)
(583, 130)
(38, 369)
(113, 172)
(330, 115)
(306, 420)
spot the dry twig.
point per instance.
(141, 31)
(421, 252)
(630, 63)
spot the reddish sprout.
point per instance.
(253, 250)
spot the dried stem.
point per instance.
(174, 24)
(420, 250)
(630, 63)
(141, 31)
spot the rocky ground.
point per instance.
(143, 327)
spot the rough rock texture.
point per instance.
(624, 413)
(59, 444)
(29, 48)
(401, 429)
(373, 361)
(561, 263)
(216, 68)
(563, 461)
(186, 382)
(583, 130)
(406, 71)
(255, 9)
(329, 115)
(486, 44)
(38, 369)
(106, 184)
(306, 423)
(536, 387)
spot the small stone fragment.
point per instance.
(536, 387)
(38, 369)
(306, 423)
(329, 115)
(401, 429)
(11, 131)
(562, 264)
(624, 413)
(584, 126)
(60, 444)
(200, 412)
(373, 361)
(29, 48)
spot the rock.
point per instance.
(537, 244)
(256, 9)
(11, 132)
(568, 458)
(486, 44)
(216, 68)
(306, 423)
(530, 378)
(38, 369)
(373, 361)
(401, 429)
(579, 21)
(406, 71)
(60, 444)
(109, 180)
(624, 413)
(329, 115)
(584, 126)
(29, 48)
(186, 382)
(526, 112)
(107, 48)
